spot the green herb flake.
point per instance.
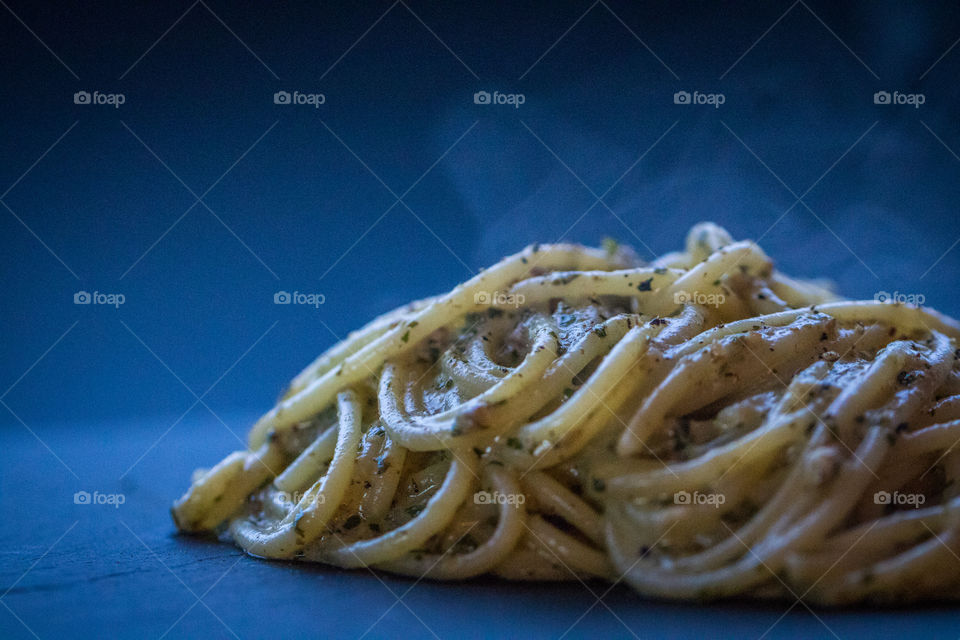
(414, 510)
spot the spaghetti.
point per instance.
(701, 427)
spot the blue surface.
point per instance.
(397, 187)
(120, 571)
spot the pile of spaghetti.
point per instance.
(700, 427)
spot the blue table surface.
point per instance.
(103, 570)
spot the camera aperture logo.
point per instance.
(712, 99)
(111, 299)
(111, 99)
(912, 99)
(312, 99)
(513, 99)
(497, 498)
(306, 299)
(97, 498)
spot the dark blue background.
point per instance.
(304, 199)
